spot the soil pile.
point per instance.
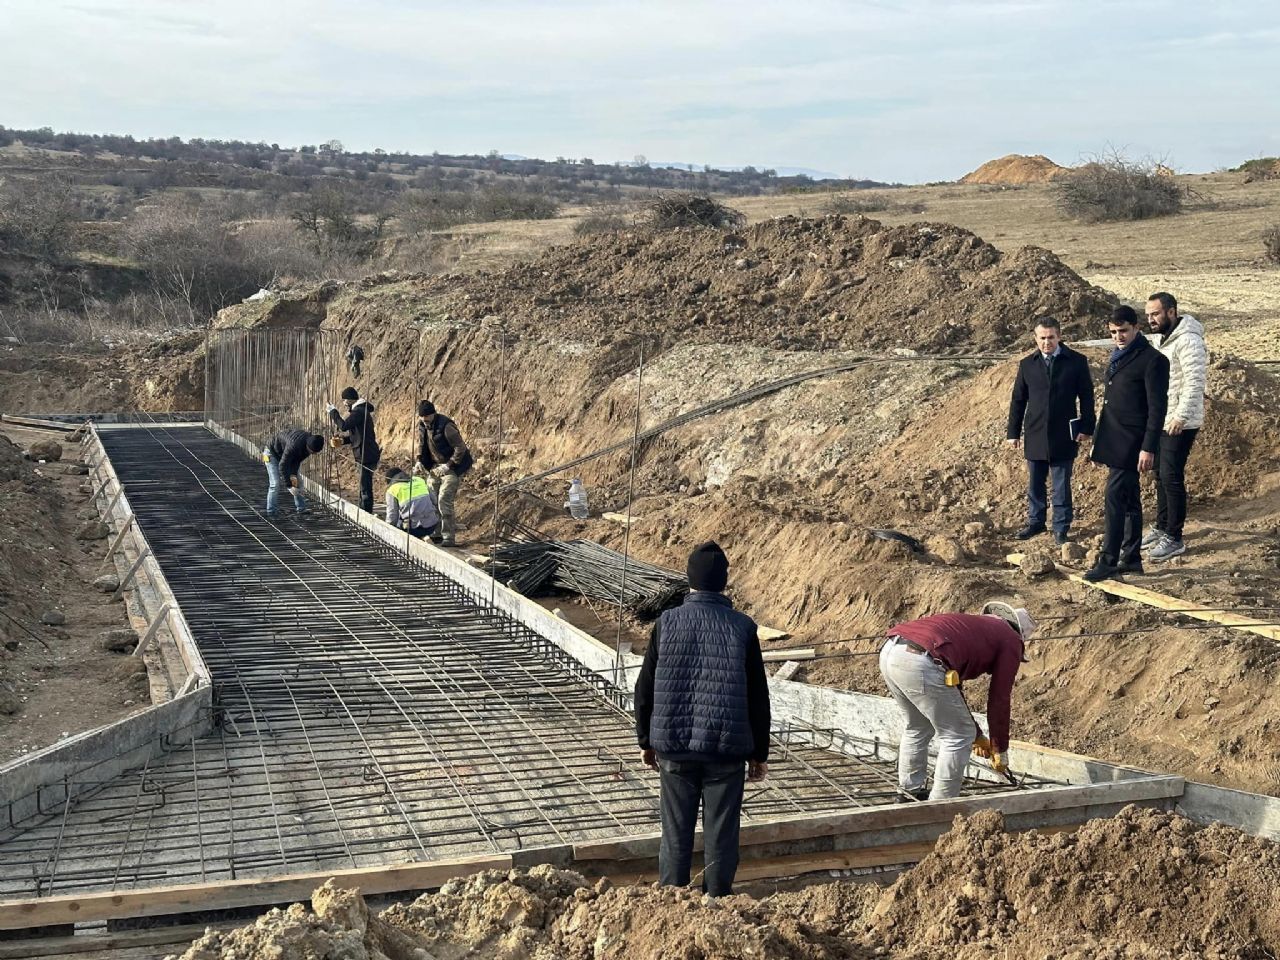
(789, 283)
(1142, 884)
(1016, 168)
(550, 914)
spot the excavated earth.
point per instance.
(1143, 885)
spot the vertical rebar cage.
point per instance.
(258, 382)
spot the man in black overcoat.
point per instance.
(1133, 409)
(1051, 409)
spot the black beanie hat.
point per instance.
(426, 408)
(350, 393)
(708, 567)
(315, 443)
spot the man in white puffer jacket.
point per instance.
(1182, 342)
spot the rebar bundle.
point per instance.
(590, 570)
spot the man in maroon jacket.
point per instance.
(924, 662)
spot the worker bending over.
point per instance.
(923, 662)
(442, 452)
(410, 505)
(283, 456)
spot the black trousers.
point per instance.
(366, 486)
(719, 788)
(1122, 536)
(1171, 482)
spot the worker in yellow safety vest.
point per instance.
(411, 506)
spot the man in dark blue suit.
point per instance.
(1133, 410)
(1051, 408)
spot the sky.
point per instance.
(896, 91)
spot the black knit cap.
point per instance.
(315, 443)
(426, 408)
(350, 393)
(708, 567)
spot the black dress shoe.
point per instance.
(1100, 571)
(1029, 531)
(1131, 566)
(1061, 538)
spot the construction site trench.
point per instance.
(366, 711)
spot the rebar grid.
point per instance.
(369, 711)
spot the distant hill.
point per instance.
(1015, 169)
(780, 171)
(123, 160)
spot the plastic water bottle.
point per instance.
(578, 500)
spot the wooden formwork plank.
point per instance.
(1163, 601)
(185, 898)
(872, 819)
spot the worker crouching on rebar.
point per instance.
(444, 455)
(357, 430)
(283, 456)
(410, 504)
(702, 719)
(924, 662)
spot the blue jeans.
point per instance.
(1038, 472)
(719, 787)
(274, 482)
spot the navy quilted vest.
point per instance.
(700, 685)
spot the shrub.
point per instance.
(851, 204)
(1271, 243)
(1116, 188)
(673, 210)
(1260, 168)
(192, 259)
(39, 217)
(601, 220)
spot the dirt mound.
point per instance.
(1015, 168)
(1142, 884)
(548, 914)
(788, 283)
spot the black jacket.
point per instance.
(1133, 406)
(358, 430)
(290, 449)
(444, 440)
(702, 692)
(1042, 408)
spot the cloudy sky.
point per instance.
(910, 91)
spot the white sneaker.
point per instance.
(1167, 549)
(1153, 536)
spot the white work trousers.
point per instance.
(929, 708)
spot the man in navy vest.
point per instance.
(442, 452)
(702, 718)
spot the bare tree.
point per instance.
(194, 261)
(39, 217)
